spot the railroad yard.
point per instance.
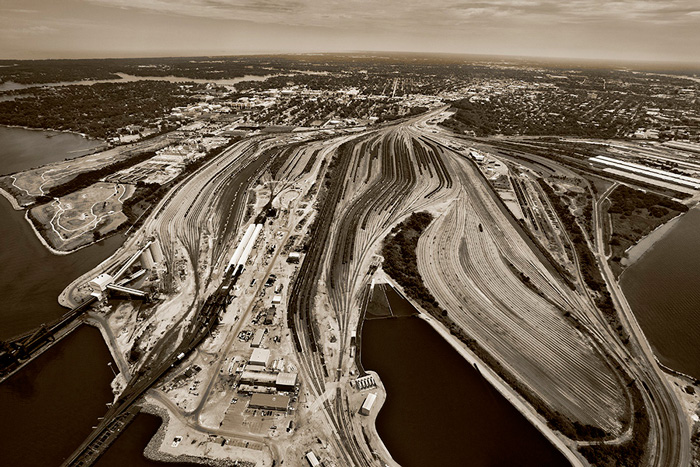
(233, 307)
(289, 236)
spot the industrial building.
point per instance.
(99, 284)
(257, 378)
(269, 402)
(286, 381)
(294, 257)
(257, 338)
(368, 403)
(476, 156)
(260, 357)
(147, 259)
(312, 459)
(646, 171)
(244, 248)
(156, 252)
(365, 382)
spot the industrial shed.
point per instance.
(269, 402)
(286, 381)
(260, 357)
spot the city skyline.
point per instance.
(584, 29)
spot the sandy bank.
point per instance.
(11, 199)
(635, 252)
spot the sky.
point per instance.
(625, 30)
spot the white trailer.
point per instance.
(312, 459)
(368, 403)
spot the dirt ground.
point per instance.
(69, 222)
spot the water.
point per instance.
(49, 407)
(22, 149)
(127, 450)
(31, 278)
(662, 289)
(439, 409)
(126, 78)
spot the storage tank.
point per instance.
(241, 246)
(156, 252)
(146, 259)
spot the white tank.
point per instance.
(146, 259)
(241, 246)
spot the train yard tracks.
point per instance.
(472, 258)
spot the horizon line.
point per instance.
(588, 60)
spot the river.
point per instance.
(31, 278)
(439, 410)
(49, 406)
(663, 289)
(126, 78)
(22, 149)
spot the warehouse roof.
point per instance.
(286, 379)
(269, 401)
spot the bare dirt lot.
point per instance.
(70, 222)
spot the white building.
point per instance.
(260, 357)
(100, 283)
(368, 403)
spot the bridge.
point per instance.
(20, 350)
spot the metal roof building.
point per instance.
(258, 378)
(100, 283)
(367, 405)
(257, 338)
(286, 380)
(269, 402)
(260, 357)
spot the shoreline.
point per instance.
(87, 137)
(11, 199)
(540, 424)
(44, 241)
(646, 243)
(55, 251)
(382, 395)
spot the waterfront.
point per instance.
(436, 401)
(662, 289)
(51, 404)
(49, 407)
(22, 149)
(126, 78)
(128, 448)
(31, 277)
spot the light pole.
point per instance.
(111, 368)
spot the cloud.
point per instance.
(401, 14)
